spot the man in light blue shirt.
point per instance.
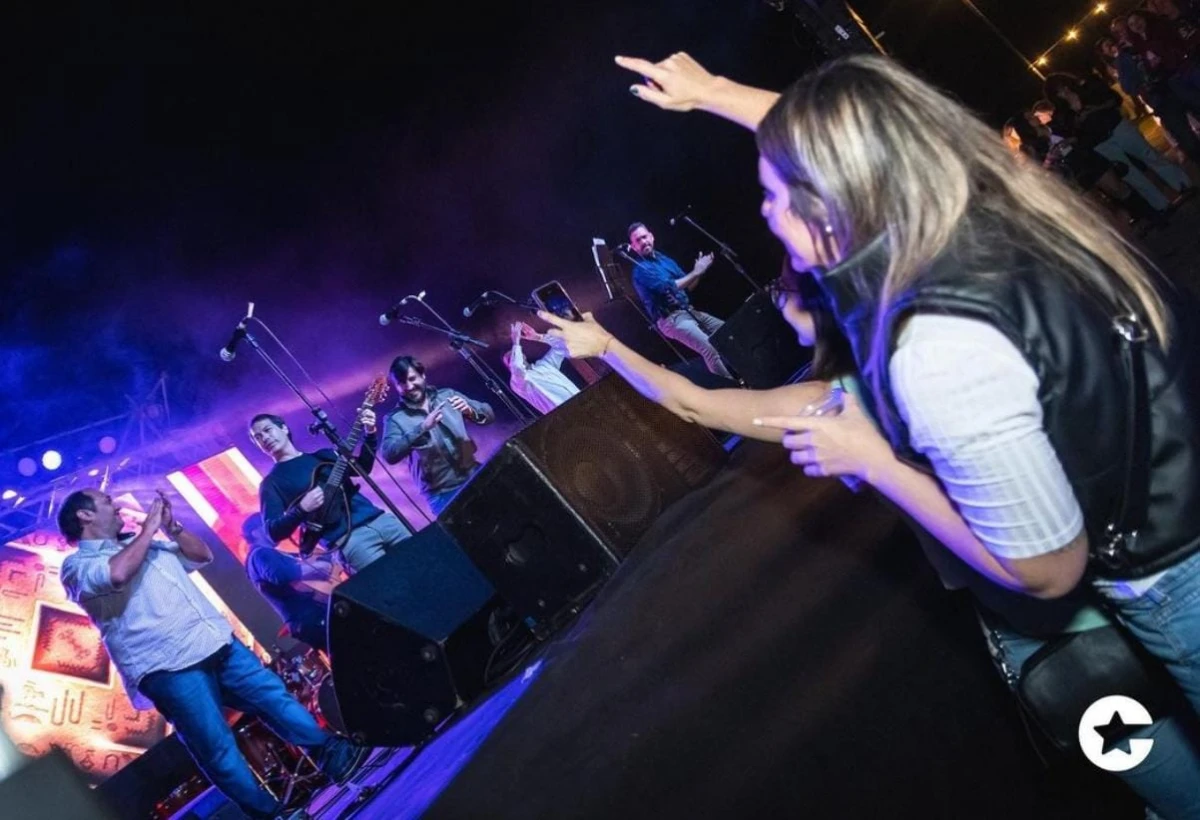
(174, 649)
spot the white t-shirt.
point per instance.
(969, 399)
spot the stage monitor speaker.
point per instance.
(760, 345)
(408, 640)
(558, 507)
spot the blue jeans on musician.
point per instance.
(192, 698)
(1168, 779)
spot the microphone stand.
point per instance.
(637, 305)
(325, 427)
(726, 252)
(460, 342)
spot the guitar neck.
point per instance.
(343, 461)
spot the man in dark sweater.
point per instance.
(287, 500)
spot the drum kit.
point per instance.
(308, 677)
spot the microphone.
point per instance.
(229, 352)
(484, 298)
(390, 315)
(679, 216)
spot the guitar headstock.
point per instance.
(377, 392)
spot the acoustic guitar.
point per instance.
(331, 478)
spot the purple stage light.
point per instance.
(27, 467)
(52, 459)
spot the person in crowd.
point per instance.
(1096, 123)
(987, 307)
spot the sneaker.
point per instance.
(343, 759)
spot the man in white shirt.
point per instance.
(542, 383)
(174, 649)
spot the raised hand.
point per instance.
(369, 420)
(847, 444)
(678, 83)
(703, 262)
(153, 521)
(583, 339)
(460, 404)
(529, 333)
(432, 419)
(518, 331)
(168, 515)
(313, 499)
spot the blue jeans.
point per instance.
(192, 698)
(1127, 141)
(1166, 619)
(369, 542)
(1169, 779)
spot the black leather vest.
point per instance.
(1069, 340)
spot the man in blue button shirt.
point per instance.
(662, 286)
(174, 649)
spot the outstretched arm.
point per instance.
(730, 410)
(679, 83)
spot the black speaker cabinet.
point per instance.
(557, 508)
(408, 642)
(759, 345)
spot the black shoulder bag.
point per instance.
(1064, 677)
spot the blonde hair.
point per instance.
(868, 147)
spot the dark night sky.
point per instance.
(163, 168)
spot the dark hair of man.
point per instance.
(274, 419)
(1057, 83)
(633, 226)
(402, 365)
(68, 514)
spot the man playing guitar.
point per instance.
(293, 493)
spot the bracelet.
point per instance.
(604, 350)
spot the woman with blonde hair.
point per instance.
(1008, 339)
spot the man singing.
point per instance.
(662, 286)
(541, 383)
(176, 652)
(430, 429)
(288, 497)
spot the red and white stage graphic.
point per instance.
(59, 686)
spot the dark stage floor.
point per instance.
(776, 646)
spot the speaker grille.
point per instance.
(620, 459)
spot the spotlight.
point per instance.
(8, 495)
(52, 459)
(92, 473)
(27, 467)
(108, 444)
(19, 501)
